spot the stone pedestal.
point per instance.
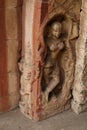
(10, 47)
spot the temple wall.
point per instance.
(21, 30)
(10, 47)
(33, 17)
(79, 102)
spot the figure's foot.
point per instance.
(54, 98)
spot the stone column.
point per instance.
(10, 47)
(30, 87)
(79, 102)
(25, 64)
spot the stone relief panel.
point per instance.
(51, 71)
(55, 30)
(60, 31)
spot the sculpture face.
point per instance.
(56, 29)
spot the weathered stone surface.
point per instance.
(2, 24)
(9, 91)
(25, 64)
(10, 47)
(10, 23)
(13, 54)
(10, 3)
(13, 23)
(79, 102)
(43, 14)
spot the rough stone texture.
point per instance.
(68, 120)
(10, 3)
(32, 61)
(25, 64)
(36, 15)
(79, 102)
(10, 45)
(68, 56)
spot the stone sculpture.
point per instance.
(50, 57)
(51, 68)
(58, 39)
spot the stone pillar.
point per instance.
(27, 55)
(32, 19)
(10, 47)
(79, 102)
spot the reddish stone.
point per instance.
(2, 24)
(39, 15)
(2, 3)
(41, 18)
(34, 50)
(10, 47)
(4, 99)
(10, 3)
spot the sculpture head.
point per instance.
(56, 29)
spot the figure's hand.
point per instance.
(40, 60)
(61, 45)
(53, 47)
(40, 57)
(57, 46)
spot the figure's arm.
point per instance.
(41, 43)
(75, 31)
(47, 19)
(58, 45)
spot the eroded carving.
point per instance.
(56, 55)
(57, 38)
(53, 61)
(54, 44)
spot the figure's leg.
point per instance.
(47, 73)
(52, 83)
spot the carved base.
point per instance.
(53, 108)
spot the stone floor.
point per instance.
(68, 120)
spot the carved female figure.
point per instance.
(51, 68)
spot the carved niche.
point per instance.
(59, 32)
(50, 58)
